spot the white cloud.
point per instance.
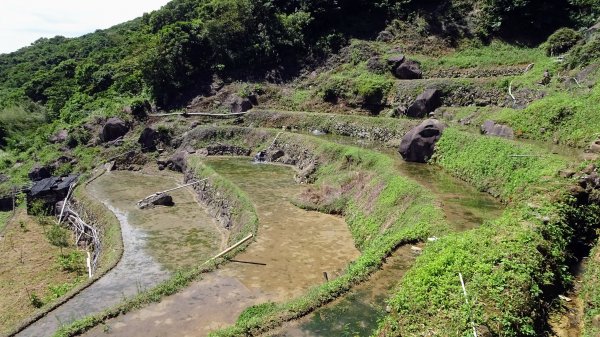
(24, 21)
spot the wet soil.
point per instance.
(292, 250)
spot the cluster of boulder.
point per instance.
(403, 68)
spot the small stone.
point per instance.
(566, 173)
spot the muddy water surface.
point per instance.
(292, 250)
(147, 260)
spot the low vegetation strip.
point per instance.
(382, 209)
(244, 212)
(591, 295)
(112, 249)
(513, 266)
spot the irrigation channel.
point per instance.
(156, 242)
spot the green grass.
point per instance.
(590, 294)
(497, 165)
(4, 218)
(514, 266)
(474, 54)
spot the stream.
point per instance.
(156, 241)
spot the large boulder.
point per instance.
(425, 103)
(238, 104)
(419, 143)
(178, 161)
(59, 137)
(159, 199)
(148, 140)
(38, 173)
(499, 130)
(408, 70)
(395, 61)
(114, 128)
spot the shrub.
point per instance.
(561, 41)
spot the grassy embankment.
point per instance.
(244, 218)
(514, 266)
(112, 248)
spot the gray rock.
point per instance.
(59, 137)
(38, 173)
(178, 161)
(595, 147)
(385, 36)
(490, 128)
(408, 70)
(148, 140)
(395, 60)
(418, 144)
(425, 103)
(114, 128)
(160, 199)
(238, 104)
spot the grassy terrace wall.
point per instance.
(379, 129)
(513, 266)
(248, 222)
(112, 248)
(382, 209)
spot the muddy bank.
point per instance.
(292, 250)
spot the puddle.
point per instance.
(142, 265)
(292, 250)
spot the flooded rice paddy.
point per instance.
(292, 250)
(148, 258)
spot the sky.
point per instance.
(24, 21)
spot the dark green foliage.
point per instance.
(586, 53)
(561, 41)
(58, 236)
(72, 262)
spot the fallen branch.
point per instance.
(462, 282)
(169, 190)
(511, 94)
(250, 236)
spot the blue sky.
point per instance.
(24, 21)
